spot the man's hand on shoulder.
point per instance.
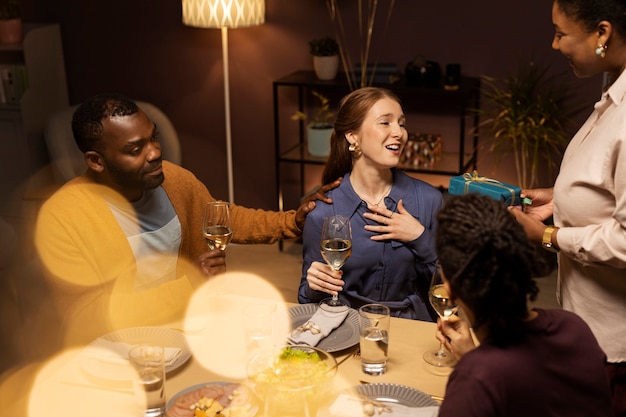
(308, 204)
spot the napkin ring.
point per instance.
(309, 325)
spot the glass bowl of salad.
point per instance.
(294, 379)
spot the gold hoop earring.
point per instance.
(352, 147)
(601, 51)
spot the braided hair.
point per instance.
(487, 258)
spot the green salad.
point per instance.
(293, 369)
(289, 353)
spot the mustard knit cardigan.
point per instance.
(90, 266)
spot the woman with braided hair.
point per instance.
(530, 362)
(588, 200)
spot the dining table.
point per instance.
(63, 386)
(408, 340)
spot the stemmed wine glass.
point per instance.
(440, 300)
(336, 247)
(216, 225)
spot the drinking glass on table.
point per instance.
(336, 247)
(149, 378)
(216, 225)
(440, 300)
(374, 321)
(258, 323)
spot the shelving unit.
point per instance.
(415, 100)
(22, 123)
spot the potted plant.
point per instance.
(325, 53)
(528, 117)
(10, 21)
(320, 126)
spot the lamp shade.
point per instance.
(223, 13)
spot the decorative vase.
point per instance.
(326, 67)
(318, 140)
(11, 31)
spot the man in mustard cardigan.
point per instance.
(121, 244)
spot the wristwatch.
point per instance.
(546, 241)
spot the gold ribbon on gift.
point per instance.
(473, 177)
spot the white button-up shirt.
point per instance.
(590, 208)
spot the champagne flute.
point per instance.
(216, 225)
(336, 248)
(440, 300)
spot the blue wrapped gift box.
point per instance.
(472, 183)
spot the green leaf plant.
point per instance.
(9, 9)
(325, 46)
(322, 118)
(528, 116)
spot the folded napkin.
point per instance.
(117, 352)
(318, 326)
(352, 405)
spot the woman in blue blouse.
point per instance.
(392, 215)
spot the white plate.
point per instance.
(105, 371)
(343, 337)
(390, 395)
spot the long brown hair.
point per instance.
(350, 116)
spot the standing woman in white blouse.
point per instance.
(588, 200)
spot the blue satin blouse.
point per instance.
(393, 273)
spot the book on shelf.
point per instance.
(14, 82)
(3, 96)
(382, 73)
(380, 68)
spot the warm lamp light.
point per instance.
(224, 14)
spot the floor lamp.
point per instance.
(224, 14)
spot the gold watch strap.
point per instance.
(546, 241)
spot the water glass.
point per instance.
(258, 322)
(374, 320)
(149, 378)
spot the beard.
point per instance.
(136, 179)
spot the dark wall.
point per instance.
(141, 48)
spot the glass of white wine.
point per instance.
(216, 225)
(336, 248)
(440, 300)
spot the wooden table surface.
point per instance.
(218, 355)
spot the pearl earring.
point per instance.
(601, 51)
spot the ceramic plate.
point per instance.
(120, 371)
(251, 411)
(343, 337)
(396, 394)
(390, 395)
